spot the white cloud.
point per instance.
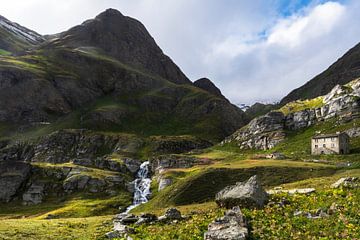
(295, 30)
(266, 67)
(247, 48)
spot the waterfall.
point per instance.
(141, 186)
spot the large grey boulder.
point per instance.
(247, 194)
(230, 227)
(13, 176)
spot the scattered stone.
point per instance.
(319, 213)
(113, 234)
(248, 194)
(123, 229)
(126, 219)
(173, 213)
(348, 182)
(146, 218)
(333, 208)
(292, 191)
(276, 155)
(230, 227)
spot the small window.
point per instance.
(316, 146)
(316, 140)
(333, 139)
(332, 145)
(324, 139)
(324, 145)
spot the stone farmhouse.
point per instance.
(338, 143)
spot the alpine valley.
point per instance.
(102, 136)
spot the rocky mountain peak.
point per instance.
(207, 85)
(126, 40)
(109, 13)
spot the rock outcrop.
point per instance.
(160, 163)
(247, 194)
(34, 194)
(13, 177)
(177, 144)
(266, 131)
(261, 133)
(232, 226)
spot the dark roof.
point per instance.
(328, 135)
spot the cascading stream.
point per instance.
(141, 186)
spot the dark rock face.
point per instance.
(171, 214)
(165, 145)
(207, 85)
(110, 57)
(34, 194)
(172, 161)
(344, 70)
(266, 131)
(232, 226)
(65, 145)
(13, 176)
(244, 194)
(125, 39)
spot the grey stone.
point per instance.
(348, 182)
(247, 194)
(173, 214)
(232, 226)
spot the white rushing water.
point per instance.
(141, 186)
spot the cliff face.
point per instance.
(267, 131)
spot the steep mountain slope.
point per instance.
(15, 38)
(124, 39)
(109, 74)
(341, 72)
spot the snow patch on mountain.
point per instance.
(21, 32)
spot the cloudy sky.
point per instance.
(254, 50)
